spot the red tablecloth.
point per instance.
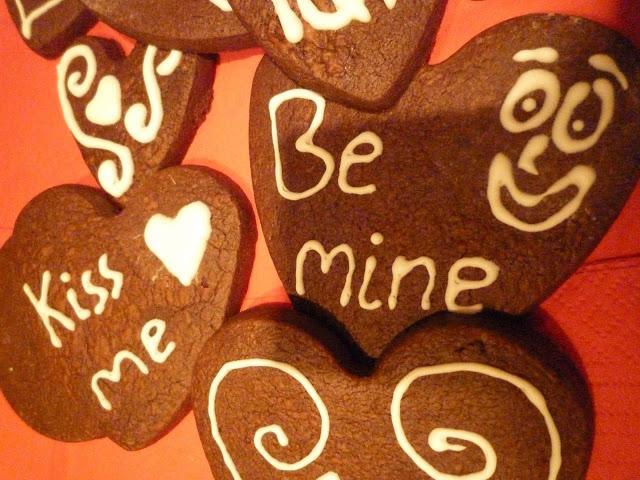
(595, 315)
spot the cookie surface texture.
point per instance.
(362, 53)
(103, 310)
(203, 26)
(132, 116)
(450, 399)
(486, 186)
(50, 26)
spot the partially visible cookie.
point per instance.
(203, 26)
(451, 398)
(49, 26)
(361, 53)
(103, 310)
(132, 116)
(485, 186)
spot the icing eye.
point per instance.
(532, 101)
(568, 123)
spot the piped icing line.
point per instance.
(145, 130)
(113, 183)
(439, 438)
(540, 55)
(222, 5)
(276, 430)
(27, 20)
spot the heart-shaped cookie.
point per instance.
(204, 26)
(450, 399)
(487, 185)
(49, 26)
(132, 116)
(362, 52)
(103, 312)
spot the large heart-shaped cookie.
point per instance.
(450, 399)
(205, 26)
(487, 185)
(362, 52)
(132, 116)
(103, 312)
(49, 26)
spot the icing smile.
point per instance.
(563, 133)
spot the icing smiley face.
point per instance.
(203, 26)
(567, 134)
(104, 309)
(49, 26)
(457, 198)
(475, 404)
(359, 52)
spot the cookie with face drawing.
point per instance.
(204, 26)
(451, 398)
(103, 310)
(485, 186)
(50, 26)
(359, 52)
(132, 115)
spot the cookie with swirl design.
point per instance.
(451, 398)
(132, 115)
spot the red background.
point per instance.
(595, 315)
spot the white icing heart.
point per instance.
(105, 108)
(180, 242)
(28, 19)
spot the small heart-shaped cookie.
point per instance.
(450, 399)
(102, 313)
(49, 26)
(363, 53)
(486, 186)
(132, 116)
(203, 26)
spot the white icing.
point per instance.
(116, 277)
(222, 5)
(439, 437)
(577, 94)
(275, 430)
(115, 375)
(457, 285)
(534, 149)
(139, 127)
(113, 183)
(529, 105)
(607, 64)
(326, 261)
(501, 175)
(528, 83)
(346, 11)
(541, 55)
(403, 267)
(578, 125)
(65, 277)
(329, 476)
(105, 108)
(181, 242)
(304, 144)
(81, 312)
(27, 20)
(45, 312)
(369, 268)
(349, 158)
(377, 239)
(100, 292)
(151, 336)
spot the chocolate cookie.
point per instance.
(204, 26)
(132, 115)
(49, 26)
(452, 398)
(103, 311)
(486, 186)
(362, 52)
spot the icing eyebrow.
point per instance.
(542, 55)
(605, 63)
